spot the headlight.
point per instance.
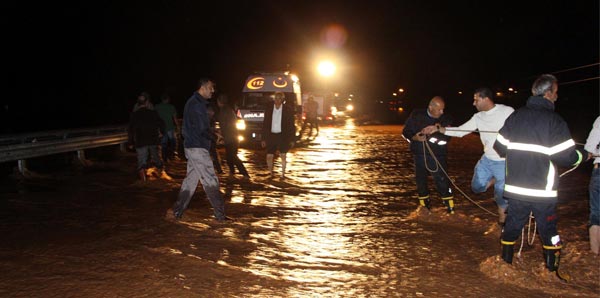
(240, 124)
(349, 107)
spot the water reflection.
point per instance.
(340, 232)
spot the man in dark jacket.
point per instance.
(279, 131)
(535, 140)
(144, 128)
(197, 139)
(424, 161)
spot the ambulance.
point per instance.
(257, 94)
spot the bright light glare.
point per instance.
(326, 68)
(349, 107)
(240, 124)
(334, 111)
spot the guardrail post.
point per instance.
(81, 157)
(22, 165)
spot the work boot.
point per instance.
(425, 202)
(508, 251)
(595, 239)
(501, 216)
(552, 257)
(449, 203)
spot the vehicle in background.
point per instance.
(257, 94)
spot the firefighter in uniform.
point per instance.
(534, 140)
(424, 161)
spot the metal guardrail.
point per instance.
(20, 147)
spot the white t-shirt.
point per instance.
(276, 122)
(593, 140)
(488, 123)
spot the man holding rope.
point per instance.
(534, 140)
(433, 161)
(490, 168)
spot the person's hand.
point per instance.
(263, 144)
(420, 137)
(429, 129)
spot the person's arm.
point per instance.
(566, 155)
(463, 130)
(593, 140)
(410, 132)
(160, 123)
(174, 119)
(445, 121)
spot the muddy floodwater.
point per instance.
(345, 223)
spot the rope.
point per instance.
(438, 166)
(426, 145)
(529, 242)
(570, 170)
(469, 130)
(486, 131)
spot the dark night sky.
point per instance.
(83, 64)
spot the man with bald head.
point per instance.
(424, 161)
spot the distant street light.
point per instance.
(326, 68)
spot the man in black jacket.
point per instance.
(534, 140)
(424, 161)
(279, 131)
(144, 128)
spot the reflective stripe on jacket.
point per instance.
(535, 140)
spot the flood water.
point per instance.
(344, 223)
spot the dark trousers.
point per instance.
(518, 214)
(442, 184)
(167, 144)
(233, 161)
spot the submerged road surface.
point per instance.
(343, 224)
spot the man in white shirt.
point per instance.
(490, 169)
(592, 146)
(279, 131)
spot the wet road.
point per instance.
(344, 224)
